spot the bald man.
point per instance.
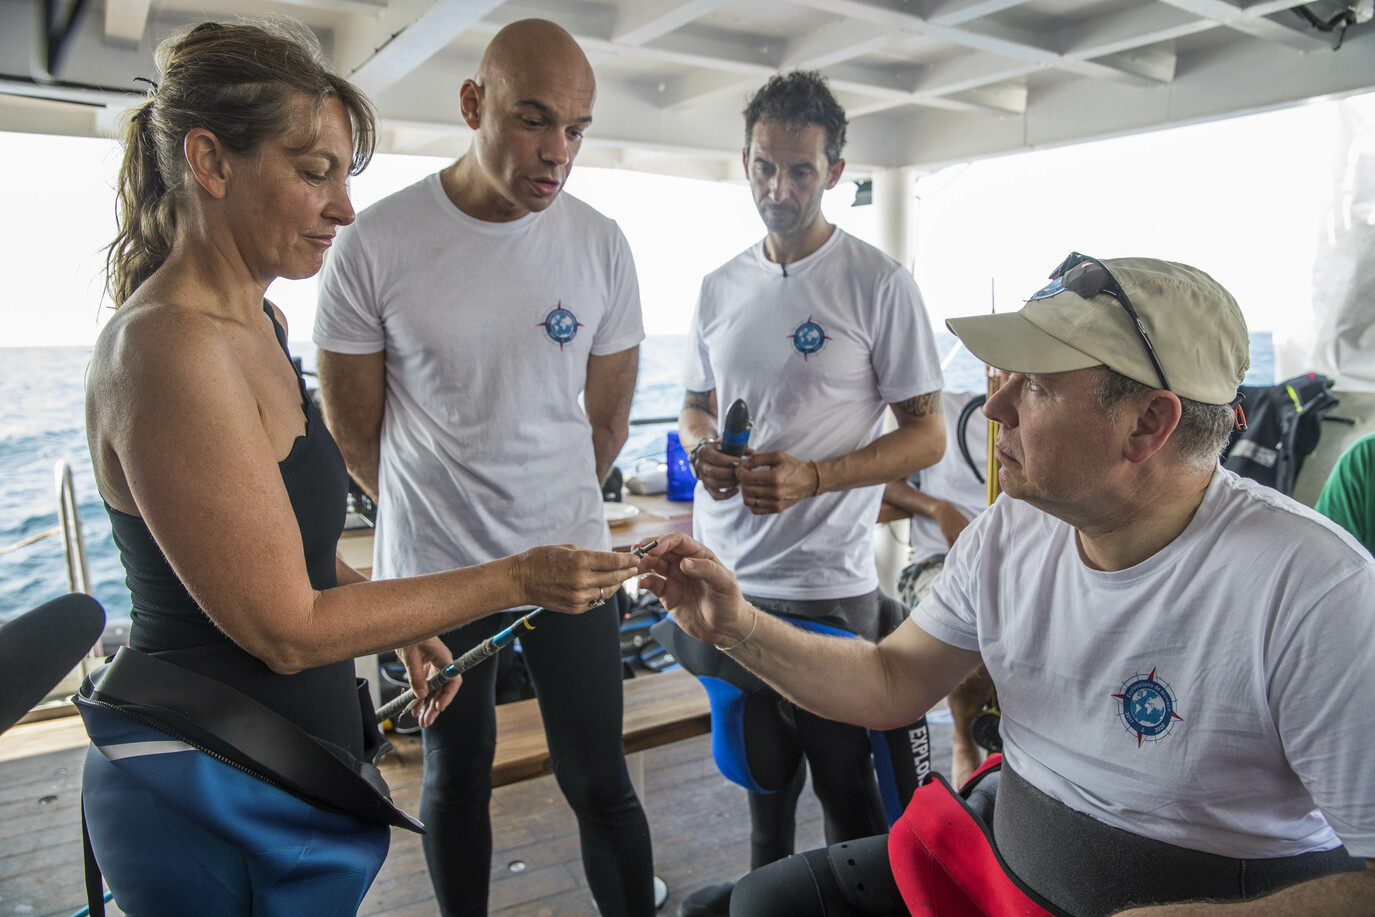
(459, 320)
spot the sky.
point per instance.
(1240, 198)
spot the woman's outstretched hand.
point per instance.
(566, 578)
(697, 589)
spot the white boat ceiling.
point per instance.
(925, 82)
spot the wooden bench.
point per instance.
(659, 709)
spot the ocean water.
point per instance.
(41, 422)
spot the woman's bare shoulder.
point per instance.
(155, 368)
(158, 342)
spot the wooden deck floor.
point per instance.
(697, 818)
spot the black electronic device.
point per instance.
(39, 648)
(735, 435)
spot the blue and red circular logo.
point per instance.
(561, 325)
(1148, 707)
(808, 338)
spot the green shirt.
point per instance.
(1348, 497)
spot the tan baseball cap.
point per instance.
(1194, 324)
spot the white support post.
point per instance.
(893, 196)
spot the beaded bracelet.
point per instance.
(754, 622)
(692, 456)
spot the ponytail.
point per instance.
(145, 215)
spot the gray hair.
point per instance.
(1203, 429)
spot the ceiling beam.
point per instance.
(827, 48)
(975, 82)
(90, 96)
(971, 71)
(1119, 47)
(365, 7)
(895, 90)
(835, 42)
(1018, 44)
(376, 52)
(703, 88)
(1005, 98)
(752, 58)
(748, 54)
(1146, 24)
(699, 88)
(582, 20)
(958, 12)
(1152, 65)
(991, 37)
(854, 77)
(639, 21)
(1251, 20)
(125, 20)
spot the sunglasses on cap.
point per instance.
(1088, 277)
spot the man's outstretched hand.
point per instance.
(700, 593)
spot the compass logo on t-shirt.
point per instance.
(1148, 707)
(561, 325)
(808, 338)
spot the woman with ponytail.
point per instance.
(230, 770)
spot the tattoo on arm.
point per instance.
(699, 400)
(922, 405)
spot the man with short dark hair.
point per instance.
(459, 321)
(816, 332)
(1180, 650)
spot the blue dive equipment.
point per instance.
(735, 436)
(741, 703)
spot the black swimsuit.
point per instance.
(168, 623)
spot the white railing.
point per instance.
(74, 548)
(69, 524)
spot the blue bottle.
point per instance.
(681, 480)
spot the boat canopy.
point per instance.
(925, 82)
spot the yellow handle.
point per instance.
(993, 488)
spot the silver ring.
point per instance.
(756, 503)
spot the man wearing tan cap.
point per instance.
(1179, 651)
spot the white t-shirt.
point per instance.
(817, 355)
(1214, 696)
(951, 479)
(487, 329)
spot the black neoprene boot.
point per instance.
(711, 901)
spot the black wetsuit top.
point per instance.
(168, 623)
